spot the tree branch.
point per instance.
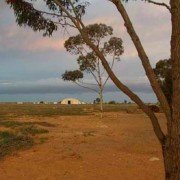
(144, 59)
(157, 129)
(50, 14)
(156, 126)
(108, 76)
(160, 4)
(78, 83)
(90, 84)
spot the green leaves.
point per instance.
(72, 75)
(27, 15)
(74, 44)
(97, 32)
(163, 71)
(88, 62)
(114, 46)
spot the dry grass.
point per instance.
(47, 110)
(20, 135)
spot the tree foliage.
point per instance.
(163, 70)
(72, 75)
(87, 60)
(46, 21)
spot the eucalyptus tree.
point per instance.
(89, 63)
(70, 13)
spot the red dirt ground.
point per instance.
(117, 147)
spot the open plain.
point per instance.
(82, 146)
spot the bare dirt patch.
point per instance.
(119, 146)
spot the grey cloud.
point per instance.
(22, 67)
(57, 86)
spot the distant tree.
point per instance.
(88, 62)
(112, 102)
(163, 70)
(97, 101)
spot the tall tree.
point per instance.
(89, 63)
(70, 12)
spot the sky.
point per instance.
(31, 65)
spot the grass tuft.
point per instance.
(32, 130)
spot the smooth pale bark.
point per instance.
(101, 102)
(100, 88)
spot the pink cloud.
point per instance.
(44, 44)
(18, 38)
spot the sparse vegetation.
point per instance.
(23, 135)
(32, 130)
(20, 135)
(11, 111)
(10, 142)
(14, 124)
(43, 140)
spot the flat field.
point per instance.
(73, 142)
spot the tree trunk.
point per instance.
(144, 59)
(171, 150)
(156, 126)
(100, 87)
(171, 154)
(101, 102)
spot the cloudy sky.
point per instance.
(31, 65)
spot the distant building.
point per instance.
(71, 101)
(19, 102)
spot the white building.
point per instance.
(71, 101)
(19, 102)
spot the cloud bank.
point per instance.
(30, 63)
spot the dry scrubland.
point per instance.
(73, 142)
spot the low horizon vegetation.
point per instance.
(9, 111)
